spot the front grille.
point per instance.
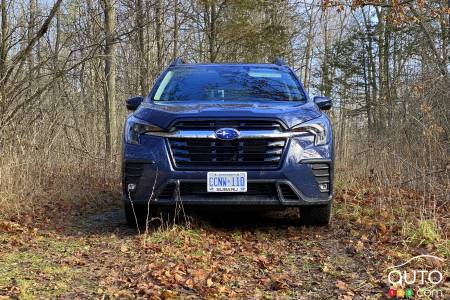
(237, 124)
(220, 154)
(253, 189)
(266, 152)
(200, 189)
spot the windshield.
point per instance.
(228, 83)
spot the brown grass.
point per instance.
(33, 181)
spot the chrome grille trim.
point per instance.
(244, 134)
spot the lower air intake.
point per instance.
(287, 193)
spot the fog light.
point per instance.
(323, 187)
(131, 187)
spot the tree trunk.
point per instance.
(326, 81)
(110, 76)
(210, 19)
(381, 67)
(3, 56)
(367, 90)
(30, 33)
(308, 49)
(142, 65)
(158, 34)
(56, 88)
(175, 29)
(386, 75)
(371, 75)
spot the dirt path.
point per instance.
(251, 255)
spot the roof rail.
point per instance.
(279, 61)
(177, 61)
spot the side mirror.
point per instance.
(134, 102)
(324, 103)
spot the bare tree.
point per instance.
(110, 75)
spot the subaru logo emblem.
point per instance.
(227, 133)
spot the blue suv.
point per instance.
(229, 134)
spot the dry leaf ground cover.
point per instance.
(84, 250)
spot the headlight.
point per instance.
(315, 128)
(134, 128)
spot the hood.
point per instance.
(165, 113)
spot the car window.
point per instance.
(228, 83)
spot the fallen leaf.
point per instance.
(359, 246)
(166, 294)
(209, 282)
(382, 227)
(34, 231)
(341, 285)
(326, 268)
(279, 285)
(265, 281)
(179, 279)
(189, 283)
(9, 226)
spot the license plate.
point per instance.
(227, 182)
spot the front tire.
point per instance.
(316, 215)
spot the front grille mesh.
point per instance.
(218, 153)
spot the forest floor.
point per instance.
(85, 250)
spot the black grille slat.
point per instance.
(321, 173)
(238, 124)
(178, 151)
(167, 191)
(133, 168)
(319, 166)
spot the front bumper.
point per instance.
(295, 182)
